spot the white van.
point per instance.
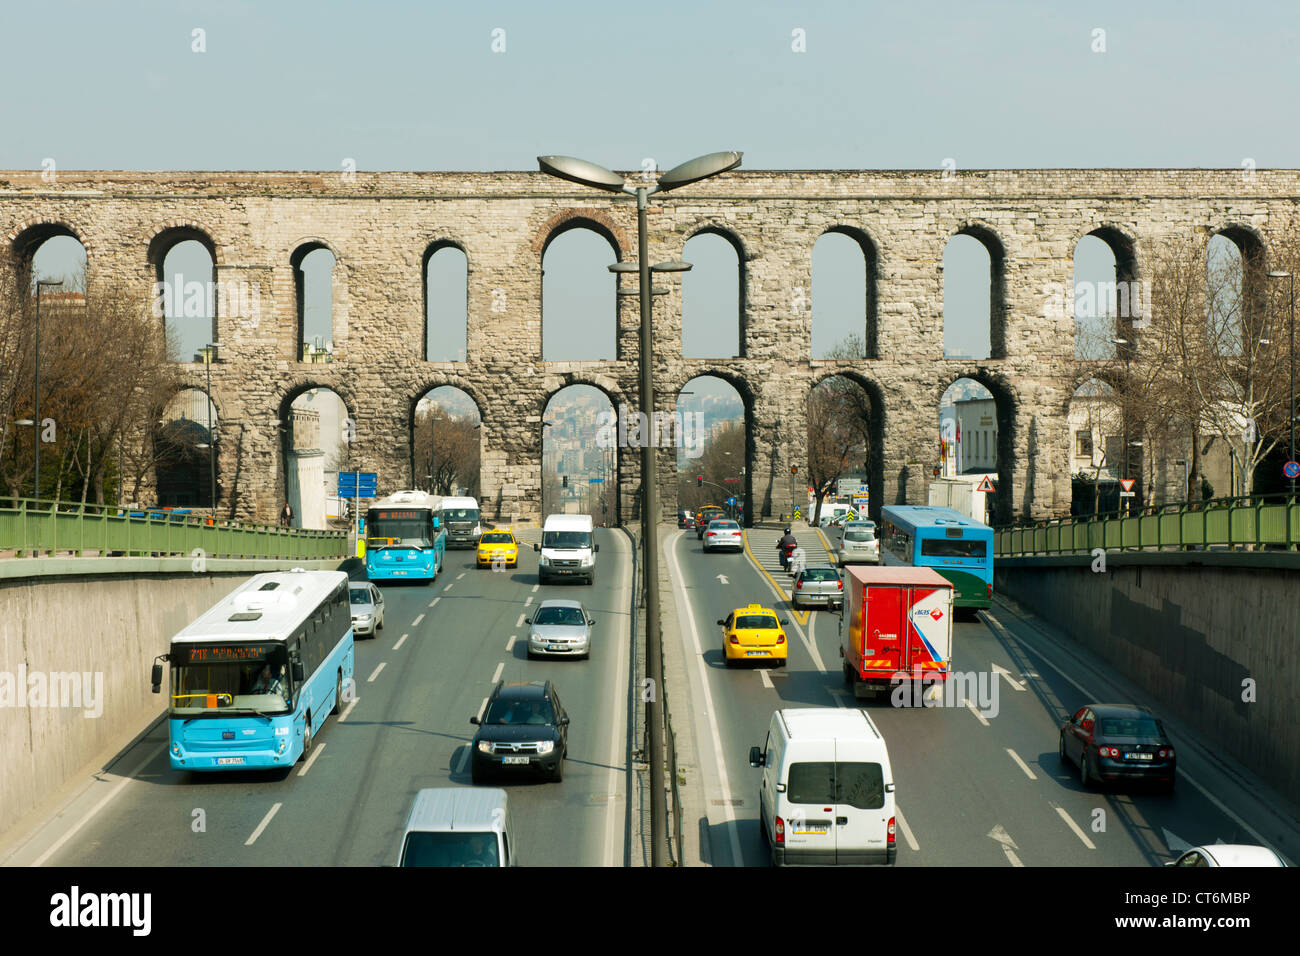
(568, 549)
(460, 516)
(827, 791)
(458, 826)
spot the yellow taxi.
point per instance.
(498, 547)
(754, 633)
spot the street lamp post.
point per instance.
(36, 419)
(589, 174)
(1291, 338)
(209, 356)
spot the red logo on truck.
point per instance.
(936, 614)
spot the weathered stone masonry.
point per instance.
(380, 226)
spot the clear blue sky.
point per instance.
(294, 85)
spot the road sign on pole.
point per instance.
(1291, 469)
(985, 485)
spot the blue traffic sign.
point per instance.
(594, 481)
(1291, 469)
(358, 484)
(731, 501)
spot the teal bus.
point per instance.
(405, 537)
(956, 545)
(254, 677)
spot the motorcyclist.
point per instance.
(785, 546)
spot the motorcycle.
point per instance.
(784, 553)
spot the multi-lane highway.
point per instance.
(418, 684)
(978, 784)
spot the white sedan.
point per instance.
(1228, 854)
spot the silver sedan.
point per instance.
(723, 533)
(560, 628)
(818, 585)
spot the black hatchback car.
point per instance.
(523, 729)
(1114, 742)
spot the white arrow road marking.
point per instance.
(907, 831)
(767, 681)
(1007, 844)
(262, 826)
(1023, 766)
(723, 578)
(400, 641)
(315, 752)
(1007, 674)
(1075, 827)
(371, 678)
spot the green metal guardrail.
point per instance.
(1243, 522)
(35, 526)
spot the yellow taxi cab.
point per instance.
(498, 547)
(754, 633)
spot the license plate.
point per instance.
(557, 647)
(514, 760)
(811, 828)
(225, 761)
(755, 653)
(1138, 756)
(399, 572)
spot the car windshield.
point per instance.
(566, 540)
(559, 615)
(820, 574)
(756, 622)
(359, 596)
(457, 848)
(1131, 727)
(859, 534)
(496, 539)
(507, 711)
(460, 514)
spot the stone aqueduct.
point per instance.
(380, 226)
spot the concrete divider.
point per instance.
(77, 639)
(1212, 637)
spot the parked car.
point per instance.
(524, 730)
(1113, 742)
(560, 627)
(817, 585)
(723, 533)
(1228, 854)
(367, 608)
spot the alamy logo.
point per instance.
(198, 300)
(75, 909)
(634, 429)
(53, 689)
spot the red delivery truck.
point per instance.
(895, 619)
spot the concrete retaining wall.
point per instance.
(1190, 636)
(109, 621)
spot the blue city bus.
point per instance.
(405, 537)
(254, 677)
(956, 545)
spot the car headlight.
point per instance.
(485, 746)
(588, 561)
(534, 637)
(545, 746)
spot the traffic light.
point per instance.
(566, 481)
(699, 481)
(794, 469)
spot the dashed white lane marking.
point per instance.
(496, 674)
(535, 588)
(907, 831)
(348, 709)
(528, 600)
(448, 587)
(458, 577)
(40, 860)
(464, 759)
(315, 752)
(1075, 827)
(400, 641)
(767, 681)
(262, 826)
(970, 705)
(481, 707)
(416, 622)
(371, 678)
(1023, 766)
(434, 601)
(520, 622)
(510, 644)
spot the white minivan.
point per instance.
(460, 516)
(458, 826)
(827, 792)
(568, 549)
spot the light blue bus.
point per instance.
(253, 678)
(956, 545)
(405, 537)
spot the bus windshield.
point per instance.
(953, 548)
(216, 680)
(412, 532)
